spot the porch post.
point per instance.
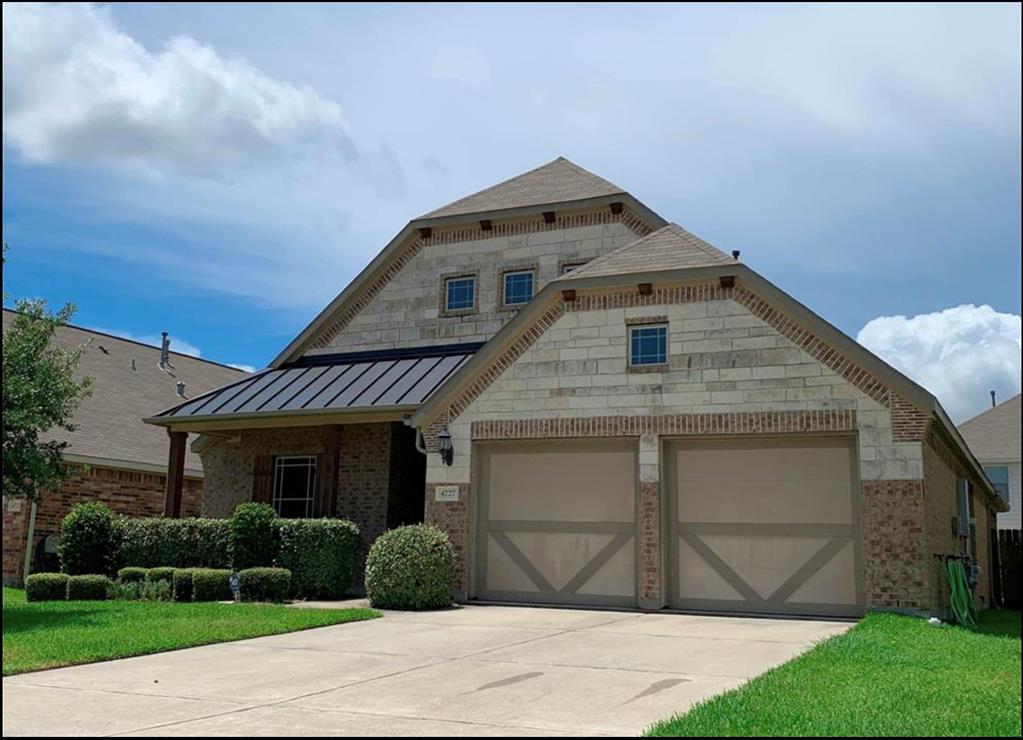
(175, 473)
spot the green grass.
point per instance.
(59, 633)
(889, 675)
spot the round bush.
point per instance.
(321, 555)
(264, 584)
(252, 536)
(182, 584)
(89, 588)
(88, 540)
(211, 584)
(46, 587)
(132, 575)
(156, 575)
(410, 568)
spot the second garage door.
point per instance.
(766, 526)
(557, 523)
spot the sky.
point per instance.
(221, 172)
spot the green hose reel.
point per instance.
(961, 598)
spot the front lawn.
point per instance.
(58, 633)
(889, 675)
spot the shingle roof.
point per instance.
(994, 436)
(669, 248)
(128, 385)
(555, 182)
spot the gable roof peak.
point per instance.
(558, 181)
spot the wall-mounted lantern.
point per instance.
(447, 452)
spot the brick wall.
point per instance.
(454, 517)
(126, 492)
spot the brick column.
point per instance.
(651, 559)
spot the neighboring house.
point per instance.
(994, 436)
(613, 413)
(115, 458)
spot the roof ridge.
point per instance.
(492, 187)
(607, 257)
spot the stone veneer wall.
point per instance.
(127, 492)
(736, 365)
(406, 311)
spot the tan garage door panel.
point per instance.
(557, 523)
(765, 526)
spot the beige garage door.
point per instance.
(557, 523)
(765, 526)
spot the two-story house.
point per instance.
(600, 408)
(994, 437)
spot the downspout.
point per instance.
(28, 542)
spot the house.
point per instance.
(114, 457)
(994, 437)
(600, 408)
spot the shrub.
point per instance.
(88, 540)
(160, 574)
(156, 591)
(181, 543)
(264, 584)
(410, 568)
(321, 555)
(252, 536)
(46, 587)
(182, 584)
(130, 591)
(132, 575)
(89, 587)
(211, 584)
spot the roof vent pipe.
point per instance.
(735, 254)
(181, 389)
(993, 399)
(165, 350)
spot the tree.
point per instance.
(40, 393)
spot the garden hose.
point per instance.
(961, 598)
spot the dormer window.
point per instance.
(460, 293)
(518, 287)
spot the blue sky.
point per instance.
(222, 171)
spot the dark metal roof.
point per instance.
(357, 380)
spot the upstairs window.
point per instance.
(648, 345)
(460, 294)
(294, 485)
(999, 475)
(518, 287)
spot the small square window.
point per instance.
(518, 287)
(460, 294)
(648, 345)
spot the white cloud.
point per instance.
(959, 354)
(78, 90)
(176, 343)
(246, 368)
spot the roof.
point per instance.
(128, 384)
(669, 248)
(994, 436)
(336, 384)
(560, 181)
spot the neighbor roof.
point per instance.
(560, 181)
(669, 248)
(128, 384)
(994, 436)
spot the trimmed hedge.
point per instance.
(46, 587)
(89, 587)
(161, 573)
(321, 555)
(88, 541)
(132, 575)
(253, 541)
(411, 568)
(153, 542)
(264, 584)
(181, 584)
(211, 584)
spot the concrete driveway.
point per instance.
(479, 670)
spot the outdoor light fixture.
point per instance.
(447, 452)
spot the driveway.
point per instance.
(478, 670)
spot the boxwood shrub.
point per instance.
(321, 555)
(211, 584)
(88, 540)
(46, 587)
(181, 543)
(264, 584)
(181, 584)
(91, 587)
(162, 573)
(132, 575)
(410, 568)
(253, 530)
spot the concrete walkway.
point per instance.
(480, 670)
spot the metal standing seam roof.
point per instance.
(358, 380)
